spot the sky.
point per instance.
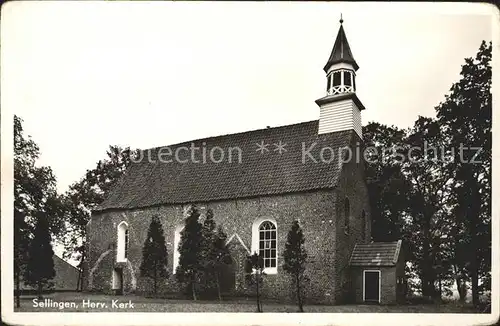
(86, 75)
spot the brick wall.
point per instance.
(387, 283)
(66, 275)
(313, 209)
(352, 186)
(328, 247)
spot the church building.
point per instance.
(257, 183)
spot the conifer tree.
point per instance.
(295, 258)
(215, 254)
(222, 257)
(154, 253)
(207, 253)
(190, 266)
(40, 266)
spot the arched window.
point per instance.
(122, 242)
(363, 225)
(264, 242)
(347, 214)
(267, 243)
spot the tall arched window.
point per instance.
(347, 214)
(122, 242)
(267, 243)
(363, 225)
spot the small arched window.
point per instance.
(122, 242)
(363, 225)
(267, 243)
(347, 214)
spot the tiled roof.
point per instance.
(341, 51)
(154, 183)
(376, 254)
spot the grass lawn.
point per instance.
(75, 302)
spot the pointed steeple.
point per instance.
(340, 108)
(341, 51)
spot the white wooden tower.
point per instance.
(340, 109)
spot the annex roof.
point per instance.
(376, 254)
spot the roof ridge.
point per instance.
(233, 134)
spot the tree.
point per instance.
(190, 267)
(40, 266)
(388, 187)
(438, 198)
(254, 268)
(154, 253)
(222, 258)
(215, 254)
(429, 199)
(295, 259)
(208, 255)
(21, 243)
(85, 195)
(34, 195)
(465, 119)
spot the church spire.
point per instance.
(340, 108)
(341, 52)
(341, 66)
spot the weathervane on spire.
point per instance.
(341, 20)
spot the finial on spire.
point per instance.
(341, 20)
